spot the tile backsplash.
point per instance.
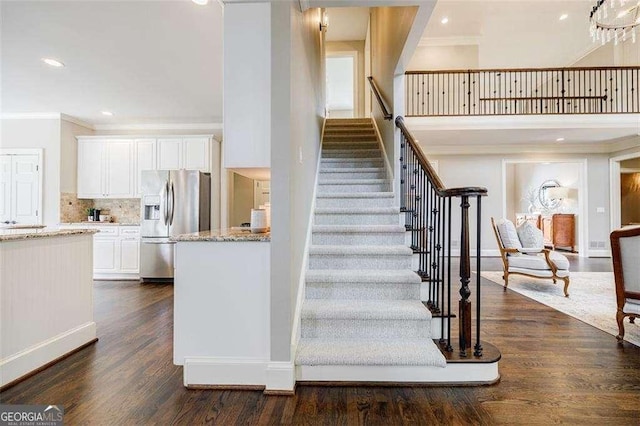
(72, 209)
(125, 210)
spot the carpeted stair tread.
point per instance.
(362, 275)
(358, 229)
(417, 352)
(357, 210)
(365, 309)
(360, 170)
(384, 194)
(360, 250)
(352, 181)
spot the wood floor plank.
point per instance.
(554, 369)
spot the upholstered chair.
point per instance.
(625, 253)
(523, 253)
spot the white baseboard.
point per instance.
(599, 253)
(30, 359)
(281, 376)
(208, 371)
(116, 277)
(453, 373)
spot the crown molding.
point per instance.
(31, 116)
(77, 121)
(160, 126)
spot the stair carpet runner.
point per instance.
(362, 300)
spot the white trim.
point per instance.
(583, 194)
(161, 126)
(614, 188)
(280, 376)
(210, 371)
(30, 359)
(568, 148)
(116, 277)
(296, 328)
(40, 153)
(387, 165)
(304, 5)
(30, 116)
(452, 373)
(146, 136)
(599, 253)
(77, 121)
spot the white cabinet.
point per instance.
(184, 153)
(105, 168)
(104, 254)
(145, 160)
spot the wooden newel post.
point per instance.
(464, 306)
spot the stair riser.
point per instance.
(361, 153)
(348, 131)
(349, 145)
(347, 164)
(330, 261)
(365, 328)
(375, 187)
(362, 291)
(347, 137)
(343, 238)
(357, 219)
(351, 175)
(353, 202)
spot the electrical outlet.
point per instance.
(599, 209)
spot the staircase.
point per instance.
(362, 318)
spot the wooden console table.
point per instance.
(559, 230)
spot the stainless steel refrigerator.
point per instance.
(173, 202)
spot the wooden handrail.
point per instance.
(376, 92)
(431, 173)
(629, 67)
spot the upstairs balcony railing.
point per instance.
(428, 206)
(603, 90)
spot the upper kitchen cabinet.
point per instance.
(105, 168)
(146, 159)
(184, 153)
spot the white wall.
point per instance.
(486, 170)
(297, 88)
(45, 134)
(247, 85)
(444, 58)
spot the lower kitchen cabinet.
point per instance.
(104, 255)
(130, 255)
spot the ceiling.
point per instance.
(347, 23)
(145, 61)
(514, 33)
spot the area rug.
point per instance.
(592, 299)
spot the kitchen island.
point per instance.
(46, 298)
(222, 308)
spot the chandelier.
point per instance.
(615, 20)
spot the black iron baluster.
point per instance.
(478, 346)
(464, 306)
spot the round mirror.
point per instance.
(546, 202)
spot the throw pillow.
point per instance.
(508, 234)
(530, 236)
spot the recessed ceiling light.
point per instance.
(560, 140)
(109, 113)
(53, 62)
(200, 2)
(564, 16)
(444, 20)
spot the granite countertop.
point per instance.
(225, 235)
(26, 234)
(98, 224)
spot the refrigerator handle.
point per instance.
(173, 201)
(166, 203)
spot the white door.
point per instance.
(196, 154)
(169, 154)
(19, 189)
(25, 191)
(341, 89)
(5, 188)
(119, 168)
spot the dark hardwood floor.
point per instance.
(555, 369)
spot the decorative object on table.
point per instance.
(616, 20)
(534, 262)
(625, 254)
(548, 204)
(258, 221)
(530, 197)
(559, 193)
(90, 213)
(105, 218)
(96, 215)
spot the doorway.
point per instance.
(342, 90)
(625, 190)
